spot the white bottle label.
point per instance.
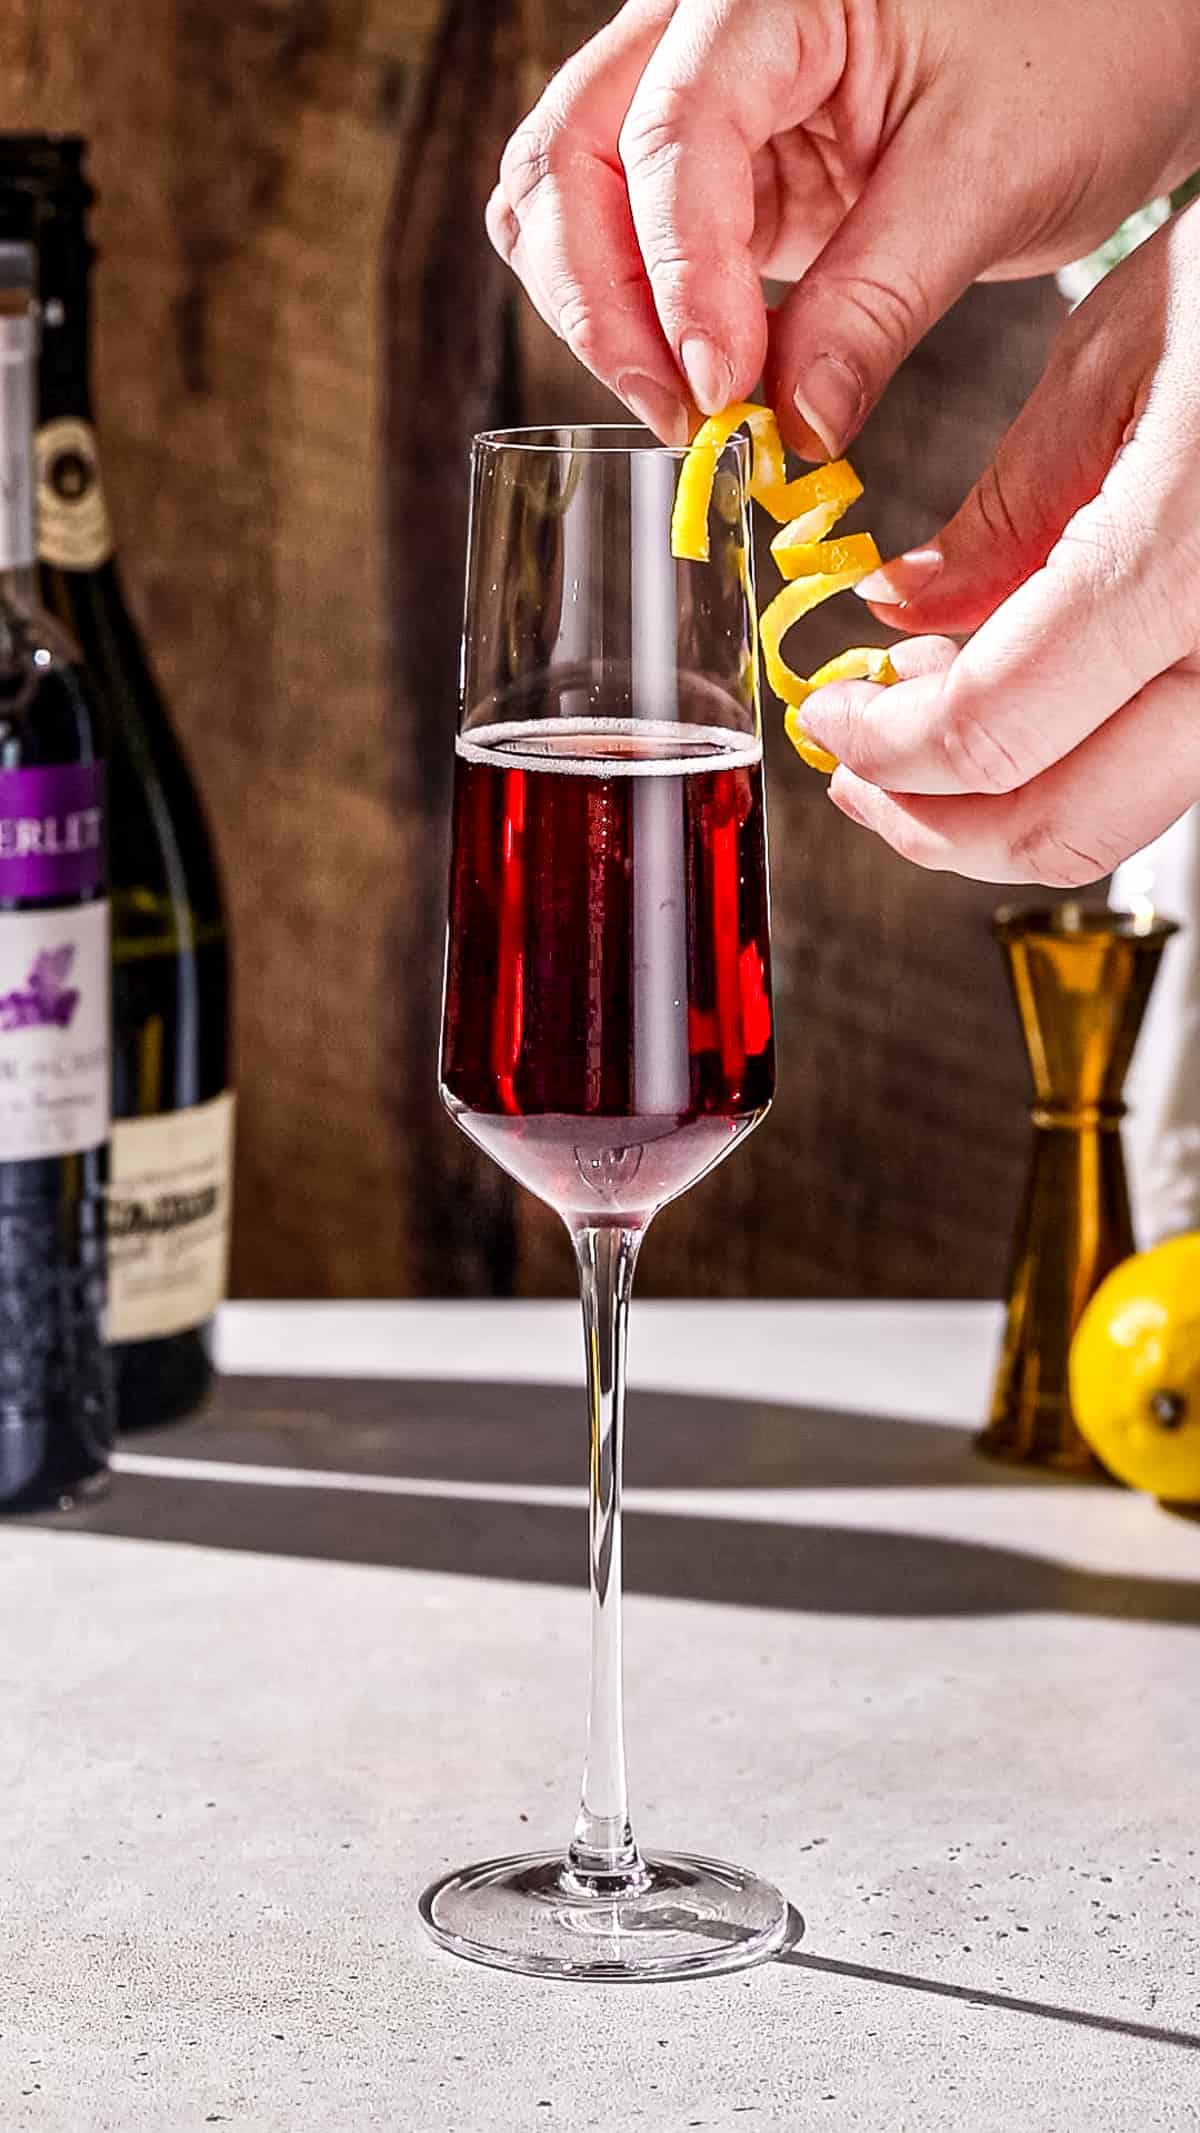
(73, 532)
(54, 1035)
(170, 1201)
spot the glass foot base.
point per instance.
(682, 1917)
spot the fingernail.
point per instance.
(842, 801)
(656, 406)
(708, 372)
(900, 581)
(829, 397)
(503, 227)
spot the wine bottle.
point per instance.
(170, 1192)
(56, 1398)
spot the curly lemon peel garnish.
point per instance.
(862, 663)
(848, 560)
(832, 567)
(815, 568)
(812, 506)
(806, 508)
(693, 495)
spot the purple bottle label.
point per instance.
(52, 831)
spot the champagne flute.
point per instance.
(607, 1035)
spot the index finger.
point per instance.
(721, 82)
(563, 221)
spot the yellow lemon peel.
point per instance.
(812, 505)
(693, 494)
(834, 567)
(813, 567)
(861, 663)
(849, 559)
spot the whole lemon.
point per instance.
(1135, 1371)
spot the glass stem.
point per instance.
(603, 1851)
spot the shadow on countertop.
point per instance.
(527, 1435)
(386, 1462)
(974, 1996)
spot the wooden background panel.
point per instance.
(299, 326)
(449, 317)
(245, 157)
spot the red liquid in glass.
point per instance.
(608, 1029)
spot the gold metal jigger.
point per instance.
(1081, 976)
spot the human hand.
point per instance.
(879, 154)
(1066, 734)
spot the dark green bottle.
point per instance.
(170, 1193)
(56, 1404)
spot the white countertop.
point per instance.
(329, 1638)
(926, 1361)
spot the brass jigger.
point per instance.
(1081, 976)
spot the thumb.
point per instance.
(1050, 464)
(913, 241)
